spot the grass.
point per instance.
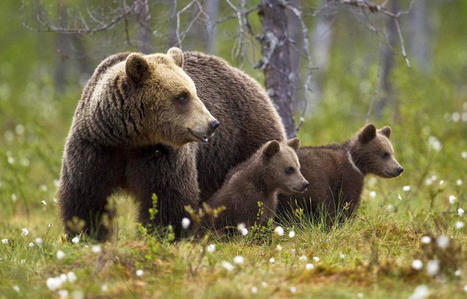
(371, 255)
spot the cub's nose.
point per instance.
(400, 169)
(305, 185)
(213, 125)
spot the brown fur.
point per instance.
(335, 185)
(130, 125)
(272, 169)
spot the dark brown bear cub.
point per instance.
(336, 174)
(272, 169)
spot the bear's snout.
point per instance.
(213, 126)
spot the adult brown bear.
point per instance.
(134, 126)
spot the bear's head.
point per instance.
(173, 113)
(282, 167)
(372, 152)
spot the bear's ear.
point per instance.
(294, 143)
(136, 67)
(367, 133)
(386, 131)
(177, 56)
(272, 148)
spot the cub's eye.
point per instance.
(289, 170)
(183, 98)
(385, 155)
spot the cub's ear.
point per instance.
(367, 133)
(177, 55)
(386, 131)
(136, 67)
(294, 143)
(272, 148)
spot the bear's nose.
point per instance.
(214, 124)
(400, 169)
(305, 185)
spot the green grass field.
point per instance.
(372, 255)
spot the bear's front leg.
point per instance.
(89, 175)
(171, 175)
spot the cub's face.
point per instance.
(174, 114)
(374, 152)
(283, 166)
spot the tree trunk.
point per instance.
(275, 48)
(171, 30)
(212, 11)
(143, 16)
(296, 56)
(420, 19)
(62, 47)
(387, 64)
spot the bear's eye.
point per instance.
(289, 170)
(386, 155)
(183, 98)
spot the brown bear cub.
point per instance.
(272, 169)
(336, 174)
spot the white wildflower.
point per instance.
(54, 283)
(4, 241)
(238, 260)
(303, 258)
(406, 188)
(22, 261)
(279, 231)
(291, 234)
(459, 224)
(60, 254)
(426, 240)
(31, 244)
(390, 207)
(455, 116)
(186, 223)
(11, 160)
(43, 202)
(293, 250)
(104, 288)
(434, 143)
(443, 242)
(75, 240)
(428, 181)
(139, 272)
(19, 129)
(309, 266)
(38, 241)
(272, 260)
(293, 289)
(13, 197)
(43, 188)
(360, 295)
(372, 181)
(316, 259)
(465, 288)
(63, 294)
(279, 247)
(264, 284)
(441, 182)
(460, 211)
(24, 231)
(71, 276)
(96, 248)
(458, 273)
(452, 199)
(417, 264)
(227, 266)
(254, 290)
(372, 194)
(16, 288)
(464, 155)
(25, 162)
(399, 196)
(420, 292)
(432, 267)
(244, 231)
(211, 248)
(459, 182)
(342, 256)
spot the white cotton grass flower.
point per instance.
(4, 241)
(31, 244)
(16, 288)
(242, 229)
(464, 155)
(434, 143)
(279, 247)
(43, 202)
(104, 288)
(60, 254)
(303, 258)
(186, 223)
(442, 242)
(291, 234)
(459, 224)
(372, 194)
(341, 255)
(54, 283)
(24, 231)
(426, 239)
(360, 295)
(465, 288)
(452, 199)
(14, 197)
(43, 188)
(96, 248)
(227, 266)
(458, 273)
(420, 292)
(38, 241)
(399, 196)
(272, 260)
(22, 261)
(71, 276)
(406, 188)
(441, 182)
(309, 266)
(459, 182)
(293, 289)
(62, 294)
(238, 260)
(432, 267)
(456, 117)
(75, 240)
(139, 272)
(211, 248)
(279, 231)
(11, 160)
(254, 290)
(390, 207)
(264, 284)
(460, 211)
(316, 259)
(417, 264)
(429, 181)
